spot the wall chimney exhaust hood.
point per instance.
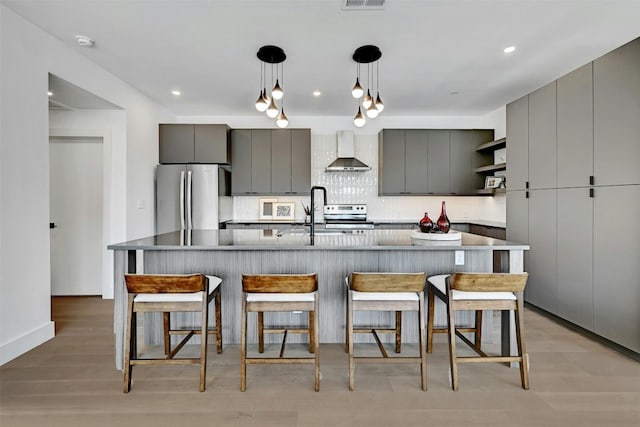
(346, 161)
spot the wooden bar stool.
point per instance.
(277, 293)
(386, 292)
(171, 293)
(479, 291)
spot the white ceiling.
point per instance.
(207, 49)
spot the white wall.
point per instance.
(27, 55)
(111, 126)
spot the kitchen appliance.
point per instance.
(346, 216)
(192, 196)
(346, 161)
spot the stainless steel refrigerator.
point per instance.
(191, 197)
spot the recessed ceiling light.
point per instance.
(509, 49)
(84, 41)
(50, 93)
(176, 92)
(317, 93)
(454, 92)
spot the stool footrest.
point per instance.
(488, 359)
(185, 361)
(278, 360)
(397, 359)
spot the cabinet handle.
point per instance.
(591, 193)
(526, 195)
(526, 185)
(591, 180)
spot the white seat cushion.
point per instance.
(439, 282)
(384, 296)
(214, 282)
(281, 297)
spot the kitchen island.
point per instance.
(230, 253)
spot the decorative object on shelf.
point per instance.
(426, 225)
(493, 182)
(266, 208)
(372, 106)
(275, 56)
(284, 211)
(443, 223)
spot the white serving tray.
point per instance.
(451, 235)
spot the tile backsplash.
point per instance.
(362, 187)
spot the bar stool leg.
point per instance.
(261, 332)
(243, 345)
(312, 335)
(204, 334)
(350, 335)
(423, 353)
(452, 345)
(128, 347)
(478, 332)
(522, 351)
(316, 344)
(218, 305)
(398, 331)
(431, 314)
(166, 317)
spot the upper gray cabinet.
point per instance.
(428, 161)
(575, 127)
(271, 161)
(616, 112)
(542, 137)
(194, 143)
(518, 144)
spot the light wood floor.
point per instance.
(71, 381)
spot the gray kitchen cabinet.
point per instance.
(616, 112)
(391, 157)
(518, 144)
(438, 162)
(575, 256)
(542, 137)
(575, 127)
(271, 161)
(518, 216)
(261, 161)
(616, 267)
(280, 161)
(416, 161)
(242, 159)
(583, 262)
(429, 161)
(194, 143)
(300, 161)
(541, 288)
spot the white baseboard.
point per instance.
(26, 342)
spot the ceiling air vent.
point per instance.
(362, 4)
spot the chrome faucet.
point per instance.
(313, 208)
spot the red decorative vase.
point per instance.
(443, 222)
(426, 225)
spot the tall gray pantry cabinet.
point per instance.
(573, 194)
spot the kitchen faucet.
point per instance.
(313, 208)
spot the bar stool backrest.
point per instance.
(488, 282)
(279, 283)
(388, 282)
(165, 283)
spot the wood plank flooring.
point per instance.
(71, 381)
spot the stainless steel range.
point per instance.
(346, 216)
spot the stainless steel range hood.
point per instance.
(346, 161)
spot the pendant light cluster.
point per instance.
(369, 55)
(266, 101)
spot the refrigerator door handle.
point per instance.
(189, 221)
(182, 199)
